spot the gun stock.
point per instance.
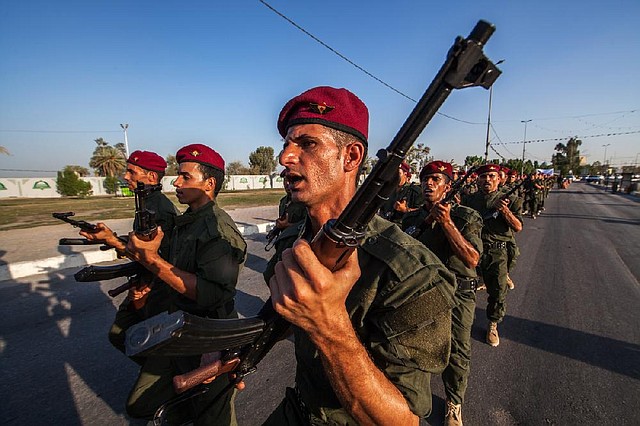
(84, 225)
(465, 66)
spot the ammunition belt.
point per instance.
(496, 245)
(467, 284)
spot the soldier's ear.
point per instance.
(354, 156)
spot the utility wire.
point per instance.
(61, 131)
(568, 137)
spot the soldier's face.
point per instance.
(435, 187)
(403, 177)
(314, 164)
(135, 174)
(489, 181)
(191, 187)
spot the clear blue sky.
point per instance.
(218, 73)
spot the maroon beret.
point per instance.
(202, 154)
(405, 167)
(487, 168)
(336, 108)
(505, 169)
(512, 172)
(147, 160)
(437, 167)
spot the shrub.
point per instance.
(69, 184)
(111, 184)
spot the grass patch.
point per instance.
(16, 213)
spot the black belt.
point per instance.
(496, 244)
(467, 284)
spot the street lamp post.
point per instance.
(604, 162)
(126, 141)
(486, 146)
(524, 141)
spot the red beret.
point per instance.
(437, 167)
(487, 168)
(512, 172)
(148, 160)
(406, 167)
(336, 108)
(198, 153)
(505, 169)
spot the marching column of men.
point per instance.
(369, 335)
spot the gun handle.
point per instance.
(184, 382)
(333, 255)
(121, 289)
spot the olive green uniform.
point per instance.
(127, 315)
(207, 243)
(295, 211)
(513, 252)
(411, 192)
(456, 375)
(496, 234)
(400, 308)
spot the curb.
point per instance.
(28, 268)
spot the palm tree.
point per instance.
(107, 160)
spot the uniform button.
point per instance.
(372, 240)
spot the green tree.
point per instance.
(473, 160)
(567, 157)
(172, 165)
(262, 161)
(69, 184)
(237, 168)
(79, 170)
(4, 150)
(418, 156)
(111, 184)
(108, 160)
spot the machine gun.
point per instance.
(494, 213)
(465, 66)
(144, 226)
(457, 186)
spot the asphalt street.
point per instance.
(569, 351)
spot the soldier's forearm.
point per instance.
(182, 281)
(460, 246)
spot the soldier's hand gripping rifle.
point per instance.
(144, 226)
(275, 231)
(181, 334)
(494, 213)
(457, 186)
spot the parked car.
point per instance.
(595, 179)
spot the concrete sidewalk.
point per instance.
(26, 252)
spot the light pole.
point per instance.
(524, 141)
(486, 146)
(126, 141)
(604, 162)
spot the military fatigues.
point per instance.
(410, 192)
(127, 315)
(400, 309)
(513, 252)
(207, 243)
(456, 375)
(295, 211)
(496, 234)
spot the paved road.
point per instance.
(569, 352)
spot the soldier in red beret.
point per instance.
(205, 257)
(513, 251)
(148, 297)
(406, 198)
(497, 231)
(363, 356)
(451, 232)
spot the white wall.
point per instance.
(46, 187)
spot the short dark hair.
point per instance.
(217, 174)
(343, 139)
